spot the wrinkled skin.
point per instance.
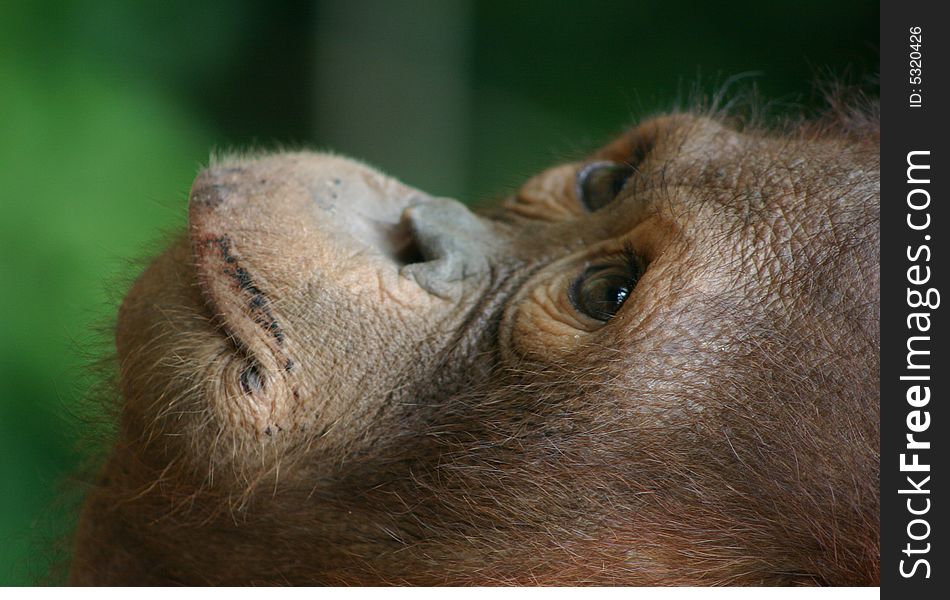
(336, 378)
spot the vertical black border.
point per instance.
(906, 128)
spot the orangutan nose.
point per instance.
(346, 212)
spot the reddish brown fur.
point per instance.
(721, 429)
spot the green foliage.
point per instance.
(94, 164)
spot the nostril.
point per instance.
(404, 245)
(396, 241)
(449, 244)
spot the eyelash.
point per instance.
(631, 259)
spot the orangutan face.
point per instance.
(657, 365)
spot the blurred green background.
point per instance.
(108, 108)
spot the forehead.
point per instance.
(803, 177)
(770, 203)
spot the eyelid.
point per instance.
(626, 255)
(633, 258)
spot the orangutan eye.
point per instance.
(602, 289)
(599, 183)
